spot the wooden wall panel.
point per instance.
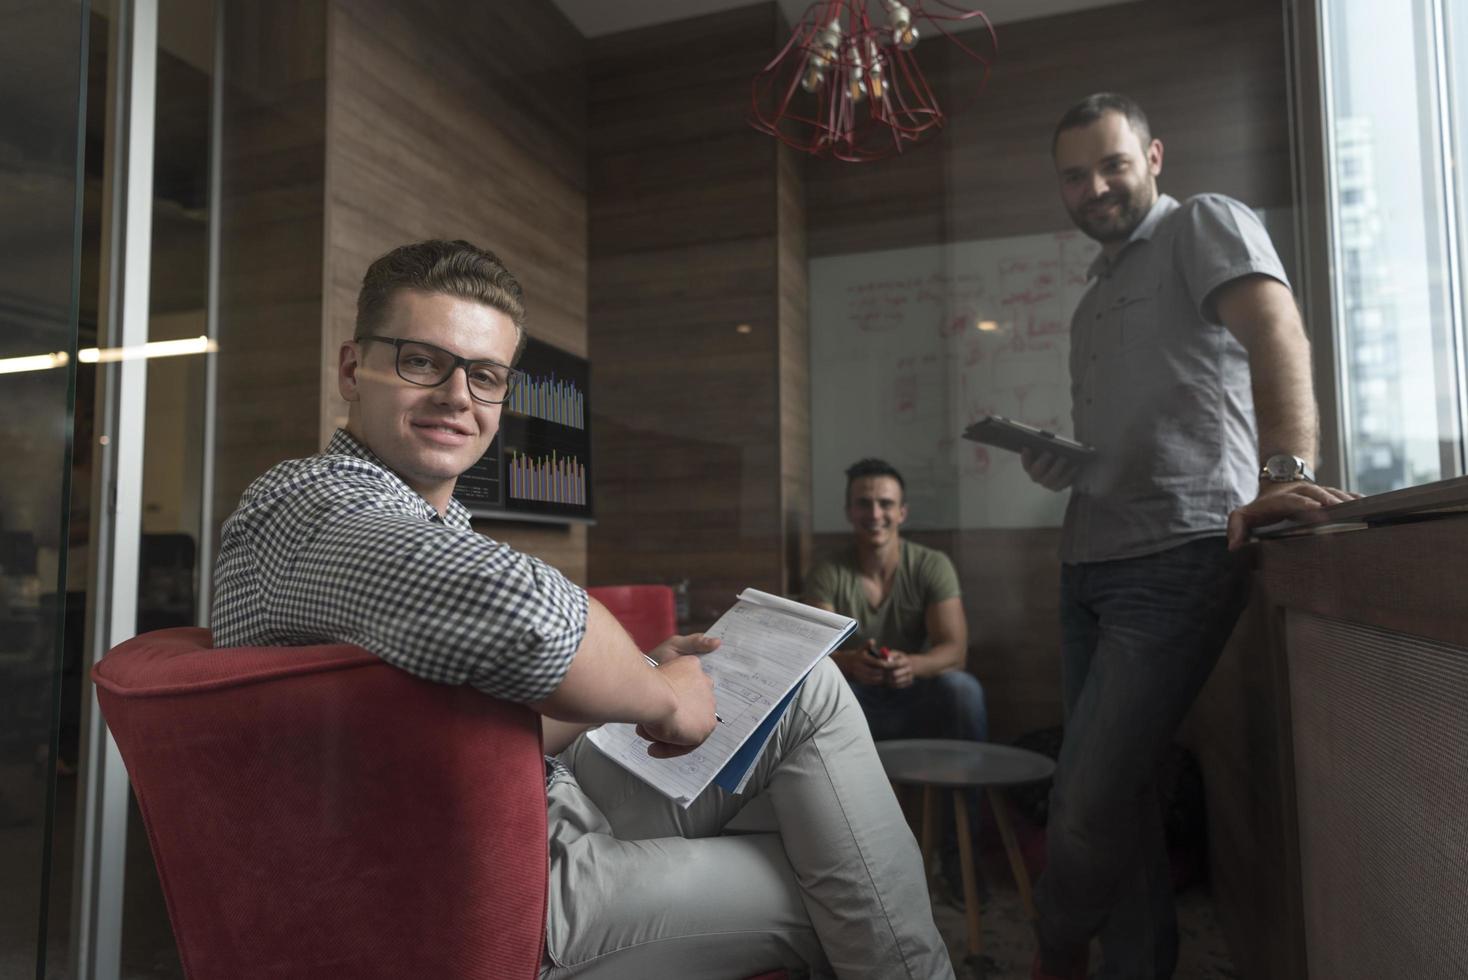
(460, 121)
(794, 369)
(272, 191)
(686, 236)
(1210, 76)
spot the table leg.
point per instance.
(930, 829)
(1011, 847)
(970, 885)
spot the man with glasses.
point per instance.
(365, 544)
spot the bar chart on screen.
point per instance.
(550, 398)
(550, 479)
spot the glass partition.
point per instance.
(42, 47)
(751, 320)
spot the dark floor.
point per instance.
(1009, 943)
(149, 954)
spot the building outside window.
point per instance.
(1393, 136)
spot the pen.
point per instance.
(654, 663)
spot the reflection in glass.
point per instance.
(40, 71)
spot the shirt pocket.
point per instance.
(1137, 325)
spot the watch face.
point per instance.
(1282, 468)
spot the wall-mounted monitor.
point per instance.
(539, 466)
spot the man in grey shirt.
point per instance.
(1190, 375)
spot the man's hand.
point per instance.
(683, 646)
(1049, 470)
(692, 719)
(882, 668)
(1301, 501)
(898, 669)
(863, 665)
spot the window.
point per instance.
(1397, 230)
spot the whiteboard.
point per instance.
(911, 345)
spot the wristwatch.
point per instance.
(1284, 468)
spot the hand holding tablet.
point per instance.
(1050, 460)
(996, 430)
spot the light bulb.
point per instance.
(904, 35)
(828, 42)
(874, 73)
(814, 79)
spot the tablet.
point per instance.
(996, 430)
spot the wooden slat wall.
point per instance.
(1211, 77)
(794, 369)
(688, 225)
(449, 120)
(272, 198)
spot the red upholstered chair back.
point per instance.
(315, 812)
(646, 612)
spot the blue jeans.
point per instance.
(1139, 637)
(949, 705)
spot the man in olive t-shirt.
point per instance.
(906, 660)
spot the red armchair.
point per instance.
(315, 812)
(647, 612)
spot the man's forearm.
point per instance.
(938, 659)
(609, 680)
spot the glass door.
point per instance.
(42, 101)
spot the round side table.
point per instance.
(941, 765)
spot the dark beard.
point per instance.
(1114, 229)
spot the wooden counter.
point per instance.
(1334, 739)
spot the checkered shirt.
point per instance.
(336, 548)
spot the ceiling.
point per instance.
(594, 18)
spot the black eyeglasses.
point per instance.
(428, 366)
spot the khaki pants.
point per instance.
(812, 868)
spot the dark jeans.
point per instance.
(949, 705)
(1139, 637)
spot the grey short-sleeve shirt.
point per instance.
(1160, 387)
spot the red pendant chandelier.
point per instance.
(847, 86)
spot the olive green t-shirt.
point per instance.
(924, 576)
